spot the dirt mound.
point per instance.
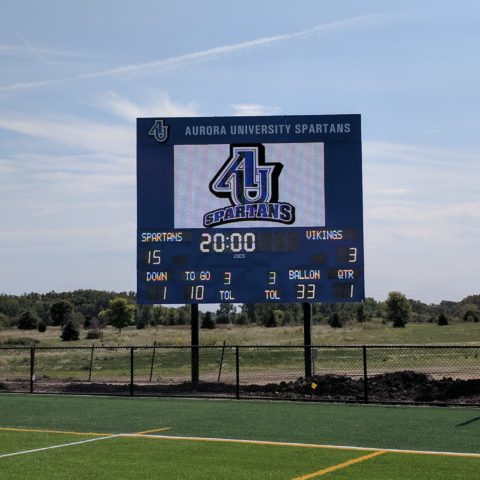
(405, 386)
(397, 387)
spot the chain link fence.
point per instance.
(380, 374)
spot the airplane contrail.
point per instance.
(186, 59)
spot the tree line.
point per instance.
(95, 309)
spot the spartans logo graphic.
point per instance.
(251, 186)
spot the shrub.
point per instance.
(335, 322)
(222, 319)
(60, 312)
(208, 321)
(288, 318)
(70, 331)
(471, 316)
(399, 309)
(27, 321)
(4, 320)
(93, 324)
(42, 326)
(119, 313)
(94, 335)
(144, 315)
(241, 319)
(361, 314)
(442, 320)
(172, 317)
(272, 320)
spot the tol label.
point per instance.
(272, 294)
(227, 295)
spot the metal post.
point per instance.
(194, 344)
(221, 362)
(32, 368)
(131, 372)
(365, 375)
(153, 360)
(91, 365)
(307, 338)
(237, 368)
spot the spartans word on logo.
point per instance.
(251, 185)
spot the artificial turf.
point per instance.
(417, 428)
(375, 427)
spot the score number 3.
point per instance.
(305, 291)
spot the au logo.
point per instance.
(251, 186)
(159, 131)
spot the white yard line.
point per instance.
(244, 441)
(305, 445)
(24, 452)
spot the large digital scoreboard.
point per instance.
(249, 209)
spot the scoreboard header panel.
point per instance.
(249, 209)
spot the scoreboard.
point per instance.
(249, 209)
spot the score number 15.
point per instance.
(152, 257)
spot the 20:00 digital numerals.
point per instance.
(234, 242)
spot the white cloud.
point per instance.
(49, 185)
(85, 135)
(401, 174)
(75, 132)
(390, 191)
(420, 155)
(28, 50)
(153, 105)
(76, 234)
(422, 221)
(100, 168)
(252, 109)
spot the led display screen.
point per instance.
(249, 209)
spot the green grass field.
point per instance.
(66, 437)
(372, 332)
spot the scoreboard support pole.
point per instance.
(307, 338)
(195, 340)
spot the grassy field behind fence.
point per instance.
(372, 332)
(160, 364)
(218, 364)
(92, 436)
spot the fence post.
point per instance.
(237, 368)
(195, 341)
(131, 372)
(221, 362)
(32, 368)
(307, 338)
(365, 375)
(153, 360)
(91, 364)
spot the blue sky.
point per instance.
(75, 75)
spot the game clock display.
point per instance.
(249, 209)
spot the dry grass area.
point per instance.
(373, 332)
